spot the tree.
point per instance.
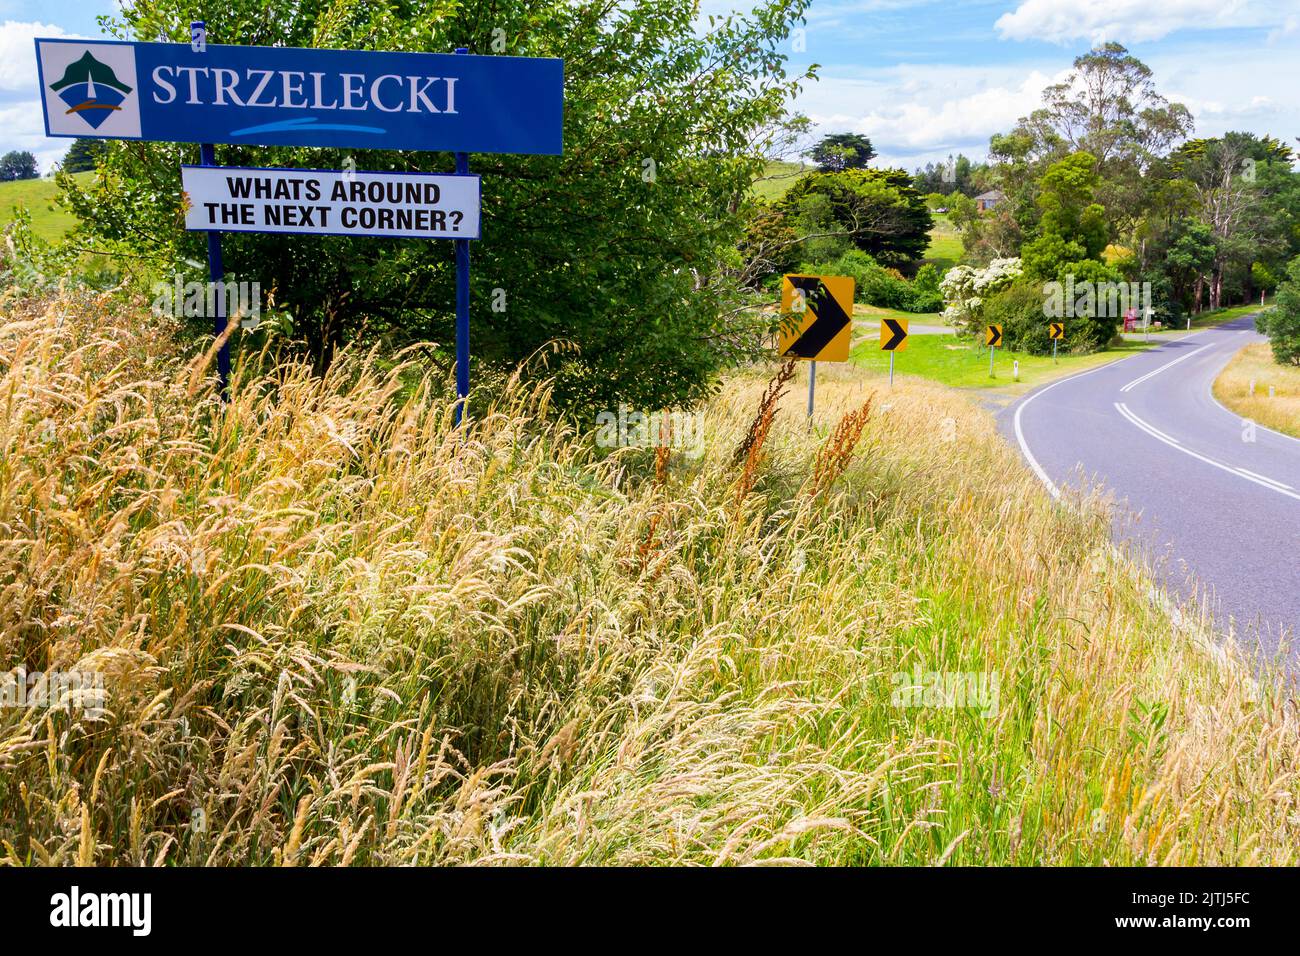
(18, 164)
(1282, 323)
(1108, 107)
(840, 151)
(1224, 173)
(956, 175)
(625, 246)
(877, 209)
(1073, 226)
(83, 155)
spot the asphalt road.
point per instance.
(1216, 513)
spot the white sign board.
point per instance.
(331, 202)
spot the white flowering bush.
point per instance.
(965, 288)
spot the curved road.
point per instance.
(1213, 506)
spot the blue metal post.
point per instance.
(216, 269)
(462, 302)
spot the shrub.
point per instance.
(879, 286)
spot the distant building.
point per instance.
(986, 201)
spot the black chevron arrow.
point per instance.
(829, 319)
(1058, 330)
(995, 336)
(898, 334)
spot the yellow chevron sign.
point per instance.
(824, 305)
(993, 335)
(1056, 330)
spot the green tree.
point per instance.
(83, 155)
(1107, 106)
(840, 151)
(1282, 323)
(625, 246)
(17, 164)
(877, 209)
(1073, 226)
(1227, 176)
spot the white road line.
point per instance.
(1156, 434)
(1138, 381)
(1020, 432)
(1254, 474)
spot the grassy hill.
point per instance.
(778, 176)
(37, 196)
(335, 630)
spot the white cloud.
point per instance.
(24, 130)
(18, 52)
(916, 114)
(1130, 21)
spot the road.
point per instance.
(1211, 502)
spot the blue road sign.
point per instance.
(290, 96)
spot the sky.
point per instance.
(923, 79)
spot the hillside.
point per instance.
(334, 630)
(37, 196)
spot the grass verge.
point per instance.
(955, 361)
(334, 629)
(1254, 365)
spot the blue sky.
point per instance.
(922, 78)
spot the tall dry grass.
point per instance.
(334, 630)
(1254, 366)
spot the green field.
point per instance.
(778, 176)
(945, 244)
(954, 361)
(37, 197)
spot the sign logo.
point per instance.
(824, 306)
(91, 89)
(1056, 330)
(993, 336)
(893, 335)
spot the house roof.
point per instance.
(992, 194)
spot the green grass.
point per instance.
(954, 361)
(876, 313)
(778, 176)
(37, 197)
(945, 244)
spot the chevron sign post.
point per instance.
(1057, 331)
(992, 338)
(893, 338)
(821, 323)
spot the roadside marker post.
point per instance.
(812, 389)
